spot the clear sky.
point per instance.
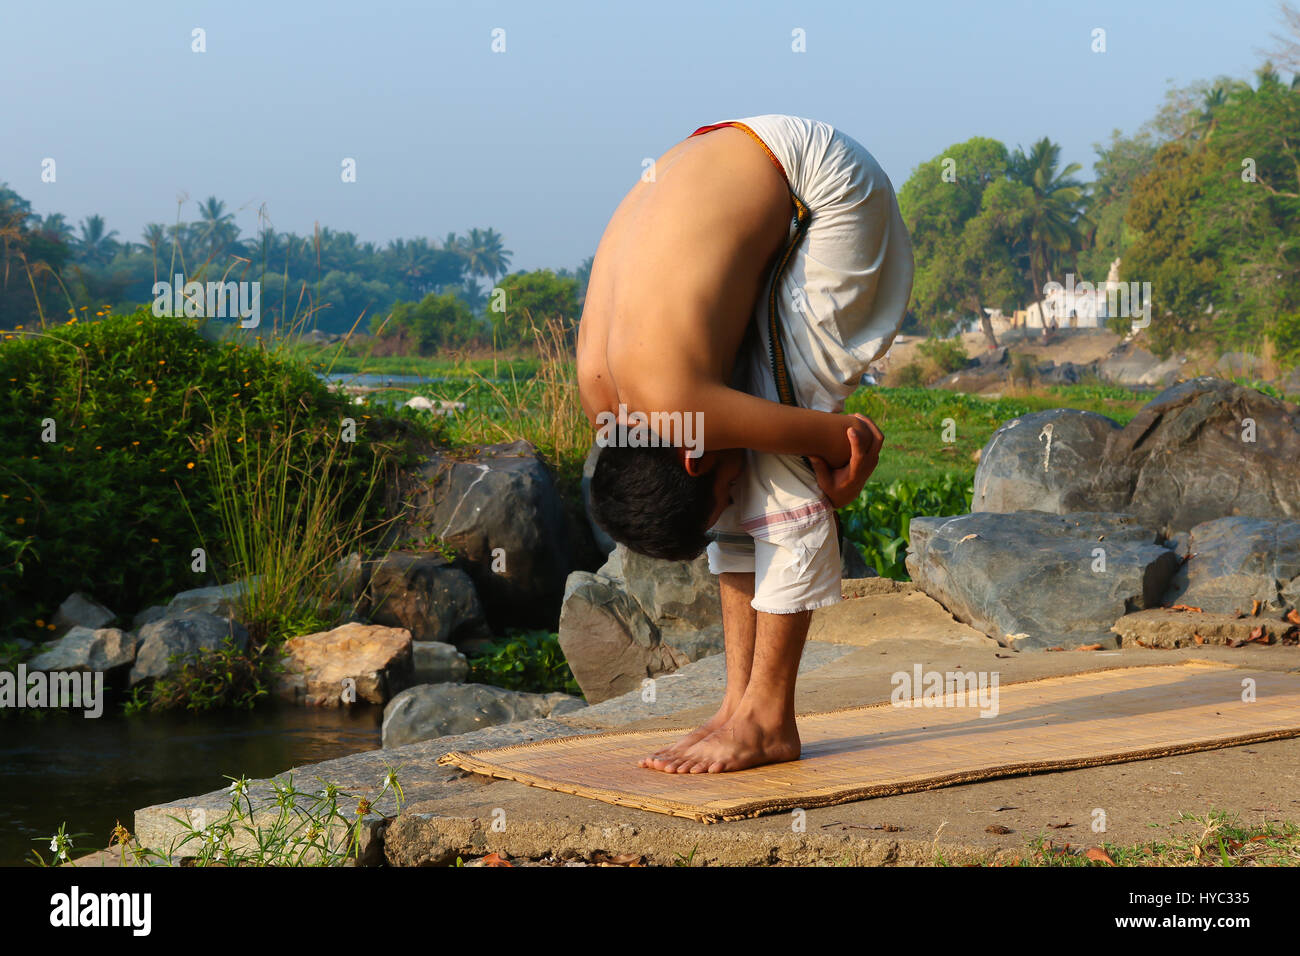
(542, 140)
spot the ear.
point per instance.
(696, 466)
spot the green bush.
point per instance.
(910, 375)
(110, 506)
(946, 355)
(878, 522)
(526, 660)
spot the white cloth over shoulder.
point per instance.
(840, 301)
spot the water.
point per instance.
(61, 767)
(383, 380)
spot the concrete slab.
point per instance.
(447, 813)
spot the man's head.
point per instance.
(658, 501)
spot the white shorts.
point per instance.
(802, 573)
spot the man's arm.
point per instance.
(735, 419)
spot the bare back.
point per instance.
(678, 273)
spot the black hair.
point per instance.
(644, 498)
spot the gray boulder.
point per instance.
(78, 610)
(1032, 580)
(439, 663)
(976, 378)
(500, 511)
(1035, 462)
(428, 596)
(1239, 365)
(611, 645)
(222, 600)
(1201, 450)
(1233, 562)
(181, 636)
(429, 711)
(673, 594)
(83, 649)
(1130, 364)
(638, 617)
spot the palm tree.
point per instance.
(217, 229)
(485, 255)
(57, 226)
(155, 234)
(413, 259)
(1057, 221)
(95, 245)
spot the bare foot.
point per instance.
(742, 742)
(675, 750)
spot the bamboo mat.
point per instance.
(1058, 723)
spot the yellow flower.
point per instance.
(154, 540)
(40, 622)
(22, 520)
(189, 464)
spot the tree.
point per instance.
(485, 254)
(944, 206)
(95, 246)
(528, 299)
(438, 321)
(1056, 219)
(217, 229)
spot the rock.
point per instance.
(852, 564)
(436, 406)
(426, 595)
(179, 637)
(1164, 628)
(638, 617)
(376, 659)
(997, 356)
(1290, 385)
(1130, 364)
(1233, 562)
(603, 541)
(78, 610)
(694, 644)
(1020, 470)
(500, 511)
(83, 649)
(1239, 365)
(671, 593)
(351, 576)
(223, 600)
(1067, 373)
(976, 379)
(429, 711)
(1032, 580)
(155, 612)
(1187, 457)
(610, 643)
(438, 663)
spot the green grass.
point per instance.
(339, 359)
(525, 660)
(913, 423)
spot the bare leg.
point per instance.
(739, 623)
(761, 728)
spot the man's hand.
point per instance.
(843, 485)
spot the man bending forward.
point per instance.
(749, 283)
